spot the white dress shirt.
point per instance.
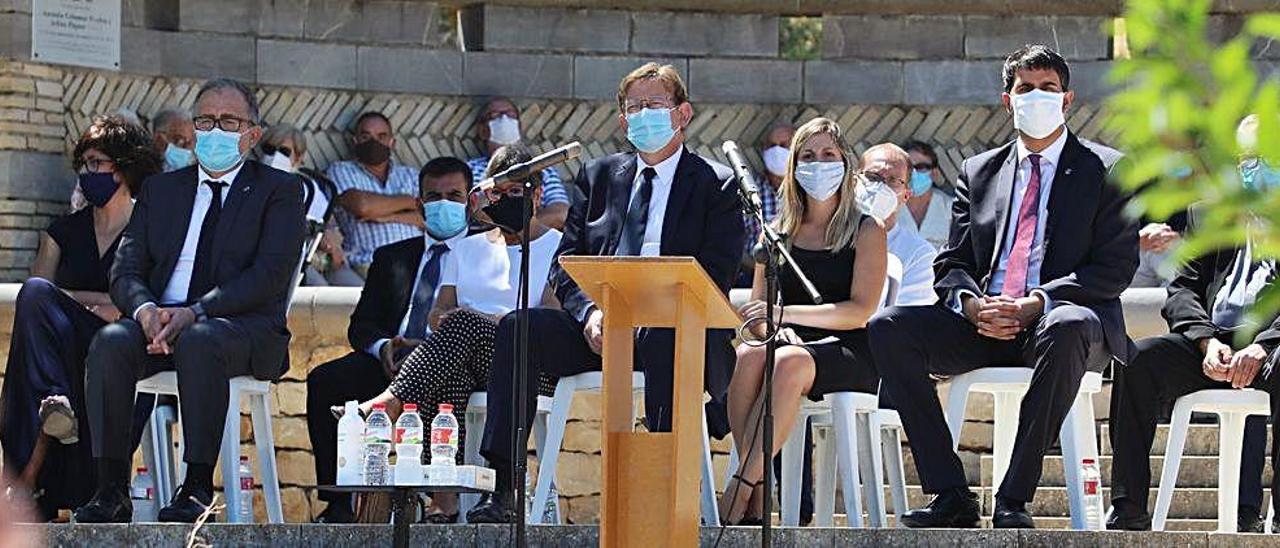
(175, 292)
(1049, 159)
(916, 255)
(375, 349)
(652, 243)
(935, 228)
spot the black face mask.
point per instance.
(372, 152)
(508, 214)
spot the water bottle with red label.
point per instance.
(444, 436)
(246, 490)
(1091, 479)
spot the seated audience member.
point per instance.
(663, 200)
(1208, 304)
(210, 305)
(886, 167)
(390, 319)
(825, 349)
(284, 147)
(377, 196)
(499, 125)
(45, 431)
(775, 150)
(174, 137)
(1156, 241)
(929, 207)
(1025, 280)
(479, 286)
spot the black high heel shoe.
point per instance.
(745, 520)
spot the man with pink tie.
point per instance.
(1040, 250)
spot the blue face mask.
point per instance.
(921, 182)
(1260, 176)
(98, 188)
(650, 129)
(218, 150)
(176, 157)
(445, 218)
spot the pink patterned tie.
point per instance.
(1015, 273)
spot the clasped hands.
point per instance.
(1224, 365)
(1002, 317)
(163, 325)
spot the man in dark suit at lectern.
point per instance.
(202, 276)
(661, 200)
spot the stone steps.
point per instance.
(1202, 439)
(1193, 471)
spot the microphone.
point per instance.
(746, 182)
(523, 170)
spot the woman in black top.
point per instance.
(823, 347)
(58, 310)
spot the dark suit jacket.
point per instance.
(388, 290)
(702, 221)
(1090, 244)
(256, 251)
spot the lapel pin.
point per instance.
(1067, 172)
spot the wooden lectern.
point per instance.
(652, 480)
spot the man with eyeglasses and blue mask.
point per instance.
(1208, 303)
(202, 278)
(174, 137)
(660, 200)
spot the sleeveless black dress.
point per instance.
(842, 358)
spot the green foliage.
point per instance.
(1180, 102)
(800, 38)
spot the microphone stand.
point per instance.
(775, 253)
(521, 395)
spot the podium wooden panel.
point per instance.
(652, 480)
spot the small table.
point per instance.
(401, 495)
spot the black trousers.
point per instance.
(1165, 368)
(205, 355)
(911, 343)
(356, 376)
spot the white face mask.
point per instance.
(1038, 113)
(775, 160)
(876, 200)
(820, 180)
(504, 130)
(280, 162)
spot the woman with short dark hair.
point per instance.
(57, 312)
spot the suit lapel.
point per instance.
(1003, 197)
(239, 191)
(623, 175)
(681, 191)
(1064, 190)
(179, 219)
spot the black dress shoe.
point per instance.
(1126, 517)
(108, 505)
(1011, 515)
(336, 512)
(491, 509)
(187, 506)
(957, 508)
(1249, 521)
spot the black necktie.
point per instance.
(424, 297)
(632, 239)
(202, 270)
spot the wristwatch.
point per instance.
(200, 313)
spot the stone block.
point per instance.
(296, 468)
(745, 80)
(20, 6)
(952, 83)
(141, 50)
(598, 77)
(549, 29)
(223, 16)
(517, 75)
(35, 176)
(1075, 38)
(683, 33)
(19, 239)
(307, 64)
(585, 406)
(291, 399)
(578, 474)
(410, 70)
(1091, 81)
(334, 20)
(259, 534)
(858, 82)
(281, 18)
(193, 55)
(579, 436)
(908, 37)
(584, 509)
(15, 36)
(291, 433)
(401, 22)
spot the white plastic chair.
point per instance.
(257, 392)
(1007, 385)
(1232, 407)
(477, 412)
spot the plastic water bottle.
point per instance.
(1091, 480)
(246, 490)
(408, 469)
(143, 495)
(377, 446)
(409, 426)
(351, 446)
(444, 437)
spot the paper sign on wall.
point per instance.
(84, 33)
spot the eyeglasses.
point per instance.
(495, 193)
(269, 150)
(879, 178)
(225, 123)
(923, 166)
(97, 165)
(659, 103)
